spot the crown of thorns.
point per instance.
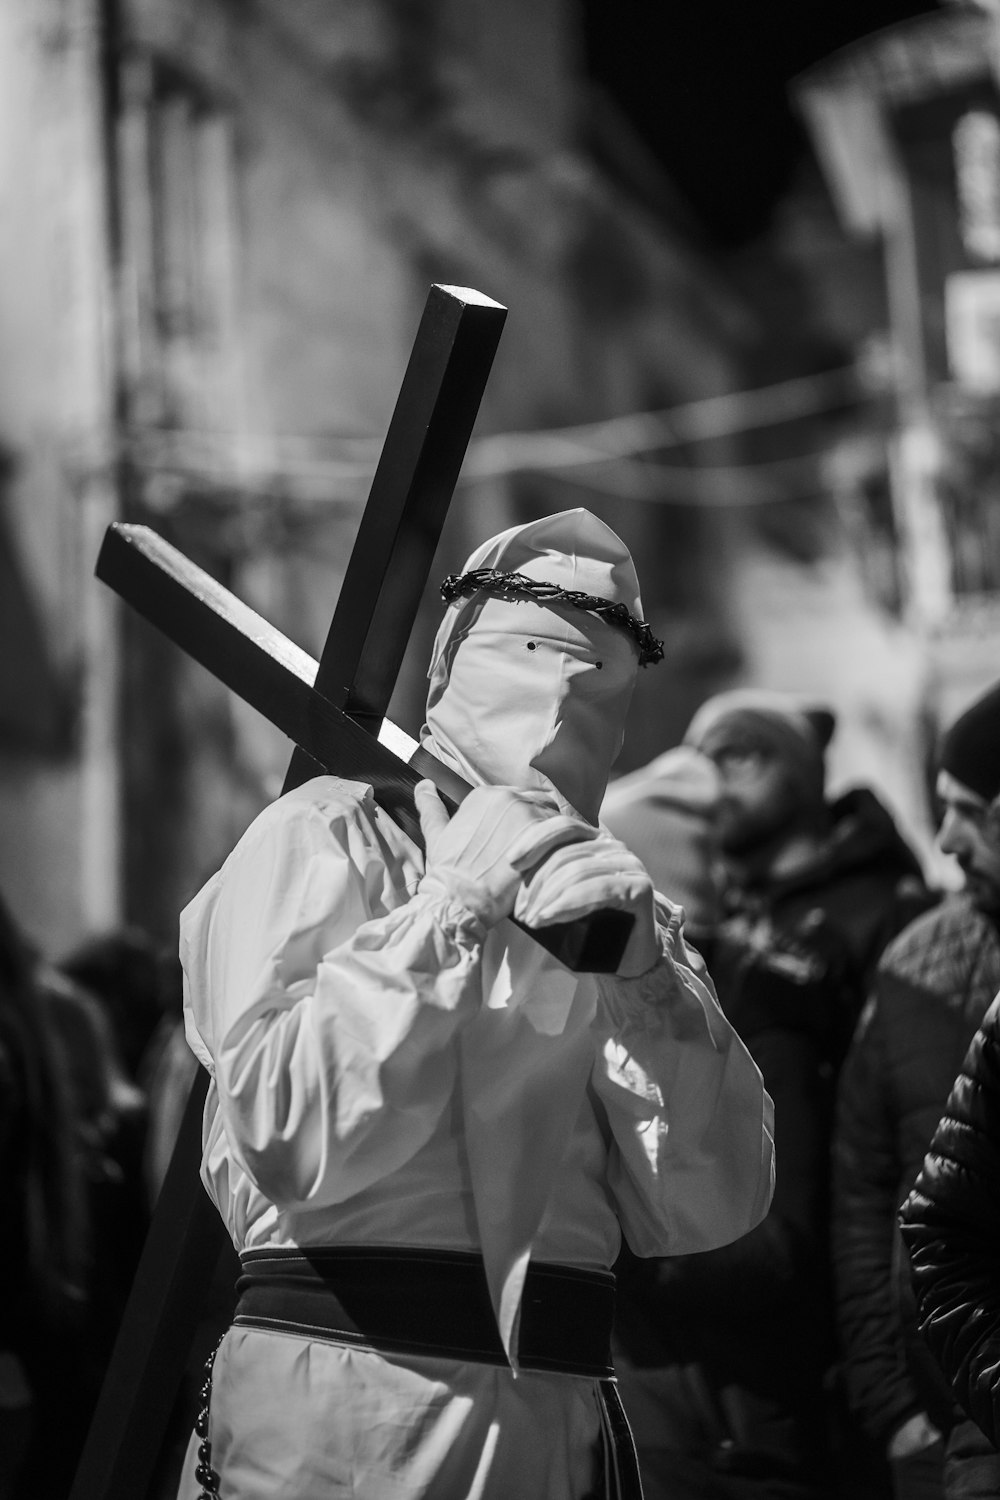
(520, 586)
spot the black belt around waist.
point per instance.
(429, 1302)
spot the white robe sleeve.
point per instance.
(329, 1028)
(691, 1158)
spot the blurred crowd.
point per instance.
(790, 1364)
(90, 1082)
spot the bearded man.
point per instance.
(932, 989)
(423, 1133)
(816, 885)
(725, 1359)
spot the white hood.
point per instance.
(527, 695)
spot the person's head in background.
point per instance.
(769, 751)
(137, 982)
(968, 791)
(665, 813)
(42, 1175)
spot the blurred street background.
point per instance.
(751, 253)
(752, 260)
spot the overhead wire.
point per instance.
(609, 456)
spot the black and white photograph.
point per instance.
(500, 750)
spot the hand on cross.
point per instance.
(479, 856)
(601, 875)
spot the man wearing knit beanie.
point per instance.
(792, 858)
(805, 889)
(931, 990)
(811, 887)
(769, 751)
(968, 789)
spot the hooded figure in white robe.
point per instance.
(396, 1065)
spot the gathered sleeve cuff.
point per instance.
(328, 1020)
(692, 1129)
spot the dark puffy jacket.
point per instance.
(931, 991)
(951, 1227)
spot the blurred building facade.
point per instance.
(221, 222)
(906, 124)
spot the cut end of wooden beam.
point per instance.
(468, 295)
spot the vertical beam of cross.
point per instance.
(409, 498)
(423, 451)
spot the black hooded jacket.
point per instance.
(713, 1345)
(862, 887)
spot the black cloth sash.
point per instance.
(437, 1302)
(429, 1302)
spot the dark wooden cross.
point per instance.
(333, 711)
